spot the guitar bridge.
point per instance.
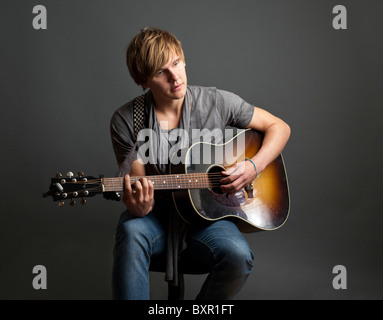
(249, 189)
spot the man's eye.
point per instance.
(159, 72)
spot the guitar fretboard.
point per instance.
(165, 182)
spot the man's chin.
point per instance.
(178, 94)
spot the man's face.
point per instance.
(170, 82)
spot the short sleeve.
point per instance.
(122, 131)
(233, 110)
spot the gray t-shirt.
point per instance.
(205, 115)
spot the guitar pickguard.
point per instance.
(234, 201)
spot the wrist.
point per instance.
(255, 167)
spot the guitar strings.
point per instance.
(172, 177)
(199, 180)
(206, 179)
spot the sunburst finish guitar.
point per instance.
(194, 181)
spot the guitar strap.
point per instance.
(138, 122)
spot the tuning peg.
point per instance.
(61, 203)
(69, 174)
(72, 202)
(83, 201)
(80, 174)
(58, 175)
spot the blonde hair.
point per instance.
(149, 51)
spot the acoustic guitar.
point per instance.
(195, 186)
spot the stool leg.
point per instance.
(177, 292)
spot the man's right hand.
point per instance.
(139, 197)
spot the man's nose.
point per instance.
(173, 75)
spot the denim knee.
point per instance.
(138, 234)
(130, 234)
(235, 256)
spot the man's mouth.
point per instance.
(177, 87)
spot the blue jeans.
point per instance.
(219, 247)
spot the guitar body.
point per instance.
(264, 207)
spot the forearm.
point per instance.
(275, 139)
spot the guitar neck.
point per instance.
(163, 182)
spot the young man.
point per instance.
(150, 230)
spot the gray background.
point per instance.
(60, 86)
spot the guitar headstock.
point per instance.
(73, 187)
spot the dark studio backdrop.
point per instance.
(60, 86)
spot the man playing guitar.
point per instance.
(149, 229)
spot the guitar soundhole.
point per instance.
(215, 176)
